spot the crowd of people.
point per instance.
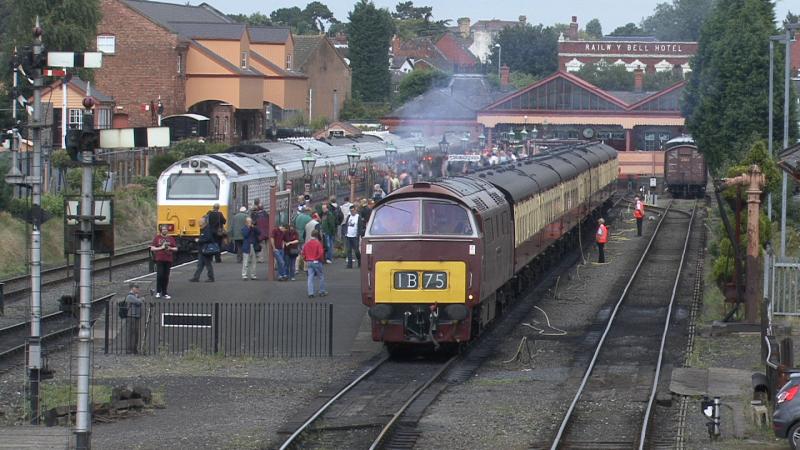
(306, 242)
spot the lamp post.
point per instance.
(534, 135)
(465, 141)
(352, 160)
(308, 162)
(482, 140)
(499, 57)
(444, 146)
(391, 153)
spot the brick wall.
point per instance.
(143, 67)
(326, 71)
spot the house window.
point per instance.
(106, 44)
(244, 60)
(650, 142)
(75, 118)
(103, 118)
(289, 62)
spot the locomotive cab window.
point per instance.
(181, 186)
(442, 218)
(400, 217)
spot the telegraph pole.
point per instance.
(86, 218)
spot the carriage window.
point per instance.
(193, 187)
(445, 218)
(400, 217)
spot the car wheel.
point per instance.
(794, 436)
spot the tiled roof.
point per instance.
(205, 30)
(81, 86)
(304, 46)
(164, 13)
(269, 35)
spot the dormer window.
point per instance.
(244, 60)
(106, 44)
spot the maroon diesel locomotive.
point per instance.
(441, 259)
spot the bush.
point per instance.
(319, 123)
(188, 148)
(60, 159)
(160, 163)
(75, 178)
(53, 204)
(148, 183)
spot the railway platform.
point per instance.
(347, 315)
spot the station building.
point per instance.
(195, 59)
(634, 52)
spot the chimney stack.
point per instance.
(463, 27)
(523, 20)
(572, 33)
(504, 70)
(638, 80)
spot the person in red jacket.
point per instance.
(638, 213)
(163, 248)
(314, 256)
(601, 237)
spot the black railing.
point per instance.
(228, 329)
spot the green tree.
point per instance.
(418, 82)
(527, 48)
(311, 20)
(613, 77)
(255, 19)
(680, 20)
(661, 80)
(726, 100)
(69, 25)
(593, 29)
(411, 21)
(629, 29)
(370, 33)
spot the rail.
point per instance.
(291, 440)
(8, 333)
(387, 429)
(138, 249)
(557, 441)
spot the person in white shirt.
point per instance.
(345, 214)
(353, 224)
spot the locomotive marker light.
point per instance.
(308, 162)
(352, 160)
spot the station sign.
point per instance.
(466, 158)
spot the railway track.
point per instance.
(18, 287)
(612, 408)
(364, 413)
(54, 326)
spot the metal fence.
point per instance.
(229, 329)
(783, 285)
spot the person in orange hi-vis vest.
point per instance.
(601, 237)
(638, 213)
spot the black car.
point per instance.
(786, 418)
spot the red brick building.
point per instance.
(195, 59)
(644, 52)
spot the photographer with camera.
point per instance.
(163, 248)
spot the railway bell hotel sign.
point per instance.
(619, 47)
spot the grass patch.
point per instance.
(64, 394)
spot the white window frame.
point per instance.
(103, 118)
(104, 47)
(75, 118)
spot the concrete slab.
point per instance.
(342, 284)
(34, 437)
(714, 381)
